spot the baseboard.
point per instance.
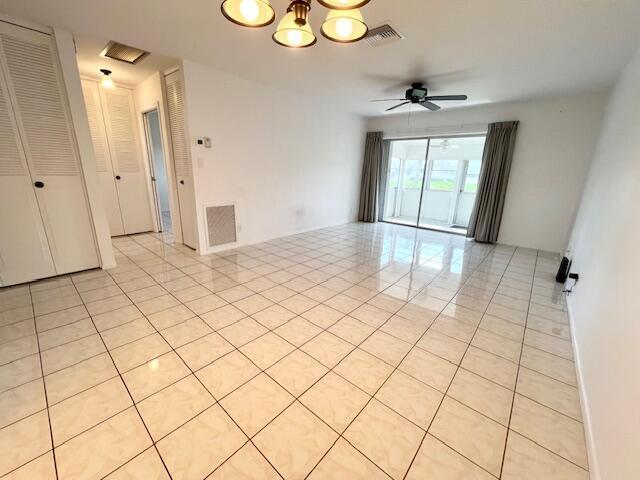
(594, 470)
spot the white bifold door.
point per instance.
(45, 224)
(119, 160)
(182, 157)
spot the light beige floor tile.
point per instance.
(205, 304)
(256, 403)
(267, 350)
(88, 408)
(204, 351)
(42, 468)
(295, 442)
(386, 347)
(436, 460)
(242, 332)
(443, 346)
(223, 316)
(171, 316)
(253, 304)
(15, 349)
(140, 351)
(273, 316)
(549, 364)
(549, 343)
(351, 330)
(200, 446)
(490, 366)
(428, 368)
(19, 372)
(459, 329)
(343, 303)
(71, 353)
(410, 398)
(227, 373)
(497, 345)
(186, 332)
(22, 401)
(155, 375)
(298, 304)
(158, 304)
(549, 327)
(246, 464)
(147, 465)
(23, 441)
(405, 329)
(502, 327)
(550, 429)
(552, 393)
(166, 410)
(327, 348)
(127, 333)
(524, 460)
(342, 462)
(63, 317)
(297, 372)
(471, 434)
(107, 304)
(298, 331)
(364, 370)
(335, 401)
(117, 317)
(389, 440)
(322, 316)
(482, 395)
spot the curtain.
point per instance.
(486, 215)
(370, 178)
(384, 172)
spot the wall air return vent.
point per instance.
(123, 53)
(221, 225)
(382, 35)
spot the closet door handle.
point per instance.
(117, 177)
(39, 184)
(181, 182)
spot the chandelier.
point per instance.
(344, 23)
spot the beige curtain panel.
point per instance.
(486, 216)
(369, 189)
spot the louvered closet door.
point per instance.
(126, 157)
(24, 251)
(39, 102)
(103, 157)
(182, 157)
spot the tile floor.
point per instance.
(360, 351)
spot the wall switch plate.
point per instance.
(203, 142)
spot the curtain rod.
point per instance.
(445, 130)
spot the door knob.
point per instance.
(117, 177)
(182, 182)
(39, 184)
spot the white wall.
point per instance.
(605, 306)
(555, 143)
(149, 95)
(288, 162)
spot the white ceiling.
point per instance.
(491, 50)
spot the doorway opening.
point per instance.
(432, 182)
(159, 177)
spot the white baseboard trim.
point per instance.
(594, 470)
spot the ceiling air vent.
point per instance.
(124, 53)
(382, 35)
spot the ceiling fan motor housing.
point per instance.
(416, 93)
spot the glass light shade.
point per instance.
(248, 13)
(344, 26)
(106, 82)
(343, 4)
(290, 34)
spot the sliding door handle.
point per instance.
(39, 184)
(118, 177)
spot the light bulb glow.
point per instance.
(249, 9)
(106, 82)
(294, 37)
(344, 27)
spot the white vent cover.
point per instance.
(221, 225)
(123, 53)
(382, 35)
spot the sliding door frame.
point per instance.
(459, 178)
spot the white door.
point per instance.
(103, 157)
(35, 87)
(182, 157)
(126, 156)
(24, 251)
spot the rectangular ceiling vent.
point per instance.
(221, 225)
(123, 53)
(382, 35)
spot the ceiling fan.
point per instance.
(418, 94)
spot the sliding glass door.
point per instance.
(432, 182)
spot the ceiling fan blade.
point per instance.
(447, 97)
(431, 106)
(396, 106)
(389, 100)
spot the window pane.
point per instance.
(443, 175)
(473, 174)
(414, 170)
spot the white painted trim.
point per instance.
(594, 470)
(71, 76)
(25, 24)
